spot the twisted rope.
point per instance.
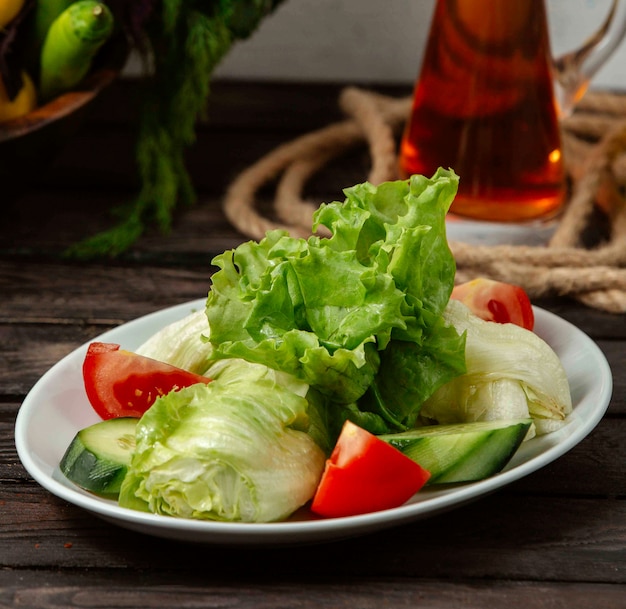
(594, 144)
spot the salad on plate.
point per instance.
(343, 373)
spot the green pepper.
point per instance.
(73, 39)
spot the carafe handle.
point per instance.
(574, 70)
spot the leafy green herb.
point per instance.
(186, 40)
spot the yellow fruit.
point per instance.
(9, 10)
(23, 103)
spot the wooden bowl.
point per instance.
(29, 143)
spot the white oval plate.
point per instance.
(57, 408)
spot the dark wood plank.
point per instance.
(503, 536)
(199, 232)
(106, 589)
(84, 293)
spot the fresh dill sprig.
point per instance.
(187, 39)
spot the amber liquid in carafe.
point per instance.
(484, 106)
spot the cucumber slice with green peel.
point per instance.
(463, 452)
(98, 457)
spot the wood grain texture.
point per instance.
(76, 592)
(504, 536)
(95, 592)
(555, 539)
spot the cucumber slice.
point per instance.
(461, 452)
(98, 457)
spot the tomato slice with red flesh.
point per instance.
(365, 474)
(120, 383)
(496, 301)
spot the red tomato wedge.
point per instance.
(496, 301)
(365, 474)
(124, 384)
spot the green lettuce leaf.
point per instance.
(410, 373)
(327, 309)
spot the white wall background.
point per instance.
(362, 41)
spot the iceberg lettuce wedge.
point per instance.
(511, 373)
(238, 449)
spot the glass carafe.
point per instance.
(488, 101)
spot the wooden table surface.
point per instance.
(556, 538)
